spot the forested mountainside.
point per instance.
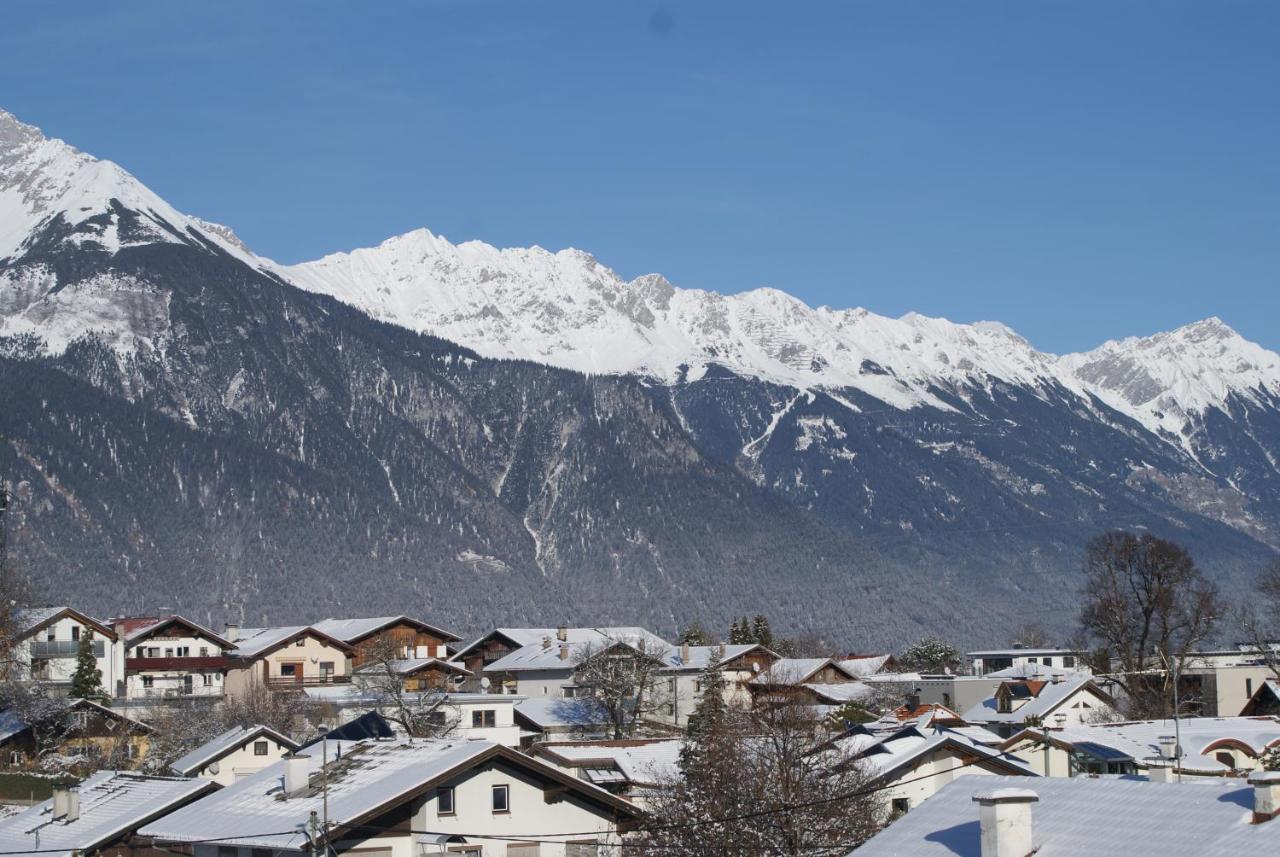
(187, 428)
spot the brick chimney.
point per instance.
(1266, 795)
(1004, 822)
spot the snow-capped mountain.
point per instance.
(181, 412)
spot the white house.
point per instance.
(235, 754)
(634, 768)
(403, 799)
(99, 816)
(48, 640)
(171, 657)
(288, 659)
(546, 666)
(680, 681)
(1062, 700)
(1001, 816)
(478, 716)
(993, 660)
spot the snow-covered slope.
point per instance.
(43, 178)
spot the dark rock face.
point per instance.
(257, 452)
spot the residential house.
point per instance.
(634, 768)
(480, 716)
(235, 754)
(402, 799)
(1211, 746)
(1060, 700)
(289, 658)
(680, 681)
(868, 665)
(994, 660)
(413, 674)
(910, 765)
(69, 730)
(815, 681)
(172, 657)
(547, 666)
(556, 719)
(405, 638)
(101, 815)
(48, 642)
(1265, 700)
(999, 816)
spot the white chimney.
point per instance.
(231, 632)
(1004, 822)
(1266, 795)
(295, 773)
(1168, 746)
(684, 652)
(1058, 678)
(564, 651)
(562, 634)
(73, 804)
(1159, 770)
(61, 799)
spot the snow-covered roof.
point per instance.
(351, 630)
(12, 722)
(839, 694)
(864, 665)
(1021, 652)
(545, 652)
(1201, 738)
(639, 762)
(794, 671)
(253, 642)
(1047, 697)
(229, 741)
(892, 753)
(368, 778)
(702, 657)
(143, 631)
(1086, 815)
(28, 619)
(409, 666)
(1031, 671)
(112, 803)
(581, 712)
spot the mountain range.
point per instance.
(513, 435)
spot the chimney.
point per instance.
(1266, 795)
(295, 773)
(912, 701)
(61, 799)
(562, 634)
(1004, 822)
(232, 632)
(722, 651)
(73, 804)
(564, 651)
(684, 652)
(1168, 746)
(1159, 770)
(546, 643)
(1058, 678)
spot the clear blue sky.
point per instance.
(1077, 170)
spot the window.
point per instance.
(15, 757)
(326, 669)
(260, 852)
(1033, 660)
(1069, 661)
(300, 642)
(168, 653)
(204, 653)
(182, 652)
(75, 632)
(946, 699)
(484, 719)
(568, 691)
(289, 670)
(228, 851)
(500, 803)
(208, 679)
(51, 634)
(1248, 687)
(148, 681)
(259, 748)
(444, 801)
(900, 806)
(1048, 662)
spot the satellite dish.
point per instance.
(485, 683)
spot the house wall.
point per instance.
(541, 683)
(1226, 689)
(59, 670)
(408, 640)
(243, 762)
(169, 676)
(921, 781)
(242, 677)
(1050, 761)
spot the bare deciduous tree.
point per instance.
(420, 713)
(1260, 618)
(622, 676)
(758, 783)
(1146, 606)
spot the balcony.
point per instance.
(188, 664)
(50, 649)
(285, 682)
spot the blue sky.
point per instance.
(1078, 170)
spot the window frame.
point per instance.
(441, 791)
(504, 790)
(261, 747)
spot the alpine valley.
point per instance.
(494, 436)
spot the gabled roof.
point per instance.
(112, 803)
(13, 723)
(355, 630)
(582, 712)
(864, 665)
(1266, 696)
(900, 751)
(839, 694)
(411, 666)
(1047, 697)
(29, 620)
(787, 672)
(257, 642)
(137, 630)
(513, 637)
(639, 761)
(369, 778)
(545, 652)
(226, 744)
(702, 657)
(1086, 815)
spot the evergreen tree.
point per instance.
(761, 632)
(86, 682)
(708, 717)
(740, 632)
(695, 635)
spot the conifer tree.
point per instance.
(761, 632)
(86, 682)
(695, 635)
(708, 717)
